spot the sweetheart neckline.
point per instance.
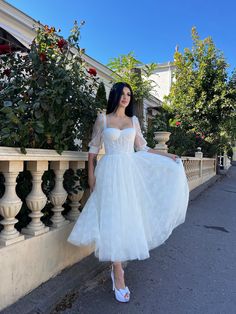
(118, 129)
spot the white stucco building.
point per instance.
(163, 77)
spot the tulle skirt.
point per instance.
(138, 199)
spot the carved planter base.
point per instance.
(161, 137)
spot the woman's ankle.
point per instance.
(117, 266)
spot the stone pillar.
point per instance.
(58, 195)
(161, 137)
(75, 197)
(199, 155)
(36, 200)
(10, 203)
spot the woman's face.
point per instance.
(125, 97)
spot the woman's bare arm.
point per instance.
(92, 161)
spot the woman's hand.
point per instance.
(155, 151)
(172, 156)
(91, 182)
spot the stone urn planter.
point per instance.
(161, 137)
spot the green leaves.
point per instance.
(47, 94)
(123, 70)
(200, 94)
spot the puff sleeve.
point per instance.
(96, 142)
(139, 143)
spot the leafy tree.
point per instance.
(230, 124)
(123, 67)
(232, 81)
(128, 69)
(200, 95)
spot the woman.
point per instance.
(137, 196)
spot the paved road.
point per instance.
(194, 272)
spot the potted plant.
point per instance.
(161, 130)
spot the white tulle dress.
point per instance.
(138, 199)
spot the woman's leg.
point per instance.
(119, 275)
(122, 293)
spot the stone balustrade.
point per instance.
(199, 170)
(37, 252)
(37, 162)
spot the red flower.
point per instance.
(5, 49)
(61, 43)
(42, 56)
(92, 71)
(7, 72)
(177, 123)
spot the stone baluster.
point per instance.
(36, 200)
(58, 195)
(10, 203)
(75, 197)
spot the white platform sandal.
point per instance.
(121, 295)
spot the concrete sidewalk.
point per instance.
(194, 272)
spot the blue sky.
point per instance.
(151, 29)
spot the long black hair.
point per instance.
(115, 96)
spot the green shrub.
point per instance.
(47, 95)
(47, 100)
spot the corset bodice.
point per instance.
(118, 141)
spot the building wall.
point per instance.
(17, 23)
(163, 78)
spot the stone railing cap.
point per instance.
(14, 153)
(195, 158)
